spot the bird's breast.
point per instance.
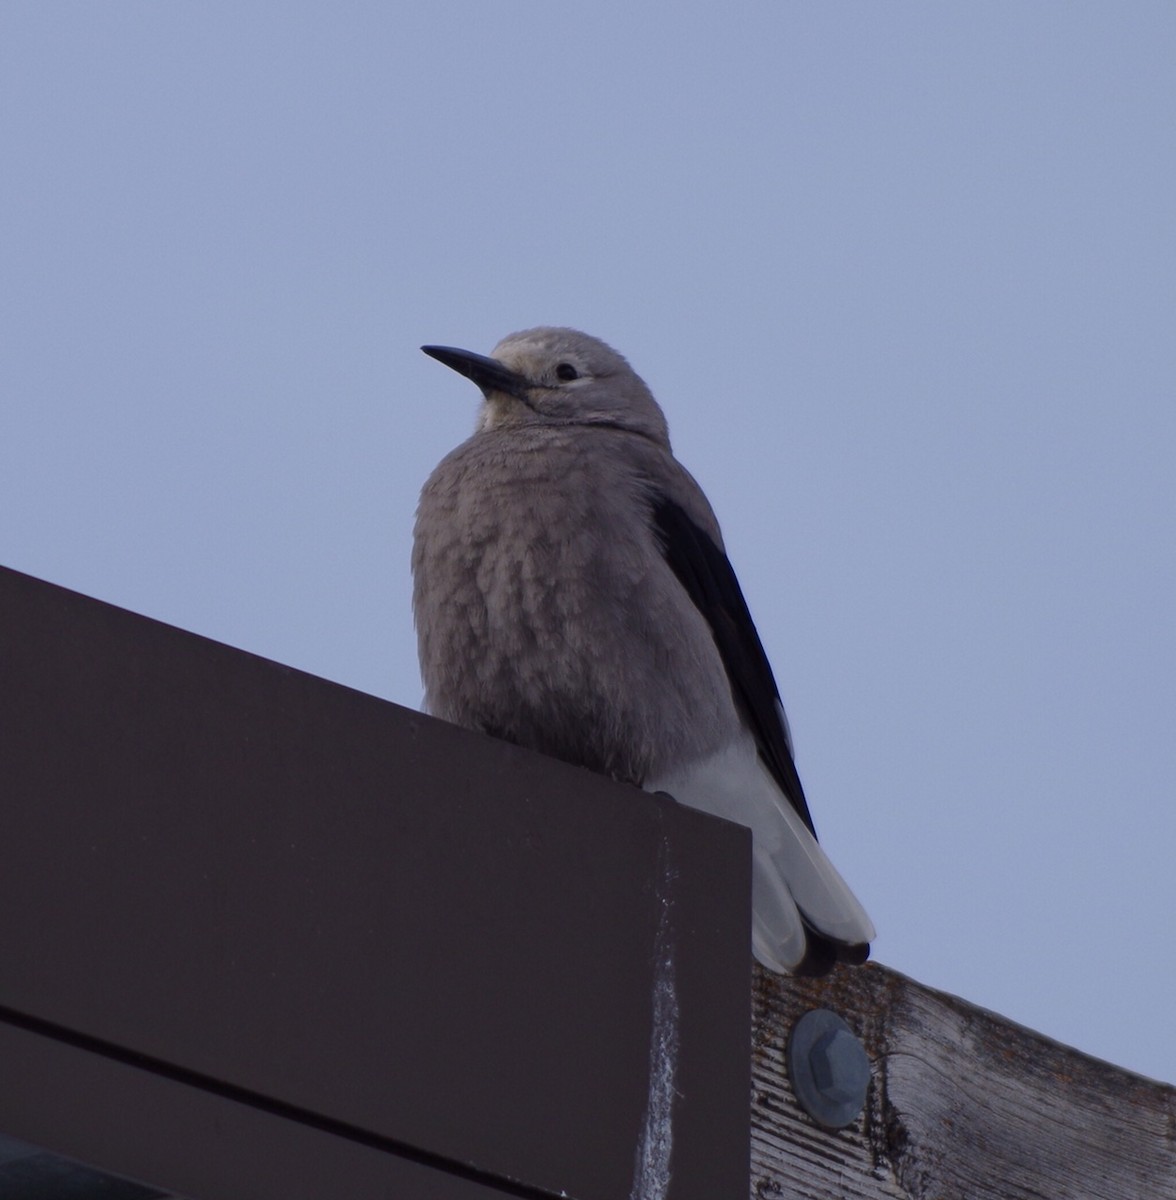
(546, 613)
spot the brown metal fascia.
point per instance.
(234, 896)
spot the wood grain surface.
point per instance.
(962, 1104)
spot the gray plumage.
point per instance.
(571, 594)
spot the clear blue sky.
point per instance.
(901, 275)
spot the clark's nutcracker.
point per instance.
(571, 594)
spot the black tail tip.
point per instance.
(822, 955)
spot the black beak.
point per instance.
(488, 373)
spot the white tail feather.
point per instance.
(777, 932)
(791, 874)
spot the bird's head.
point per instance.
(553, 376)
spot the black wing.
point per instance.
(709, 579)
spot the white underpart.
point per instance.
(790, 871)
(651, 1175)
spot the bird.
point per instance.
(572, 594)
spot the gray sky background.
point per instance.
(902, 276)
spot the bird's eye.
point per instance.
(566, 372)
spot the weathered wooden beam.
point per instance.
(963, 1104)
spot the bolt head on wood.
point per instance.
(829, 1069)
